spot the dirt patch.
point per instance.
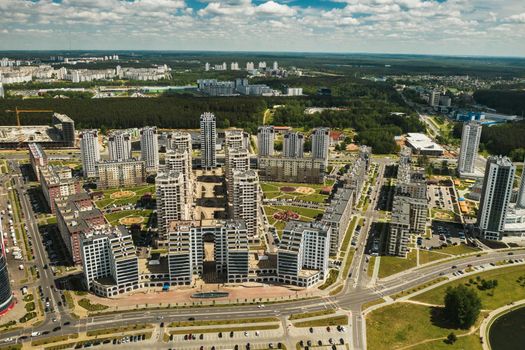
(122, 194)
(305, 190)
(286, 215)
(131, 220)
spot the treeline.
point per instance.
(504, 101)
(503, 139)
(372, 119)
(165, 112)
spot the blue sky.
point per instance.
(451, 27)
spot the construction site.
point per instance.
(59, 133)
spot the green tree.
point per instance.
(462, 306)
(452, 338)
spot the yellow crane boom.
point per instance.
(18, 111)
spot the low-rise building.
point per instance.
(114, 173)
(283, 169)
(57, 182)
(77, 215)
(37, 158)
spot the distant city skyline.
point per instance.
(442, 27)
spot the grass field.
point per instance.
(386, 330)
(114, 218)
(468, 342)
(508, 289)
(392, 264)
(272, 190)
(305, 214)
(458, 249)
(139, 192)
(426, 256)
(331, 321)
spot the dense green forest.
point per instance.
(165, 112)
(505, 139)
(504, 101)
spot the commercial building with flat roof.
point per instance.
(422, 144)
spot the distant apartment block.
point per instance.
(119, 145)
(89, 152)
(149, 148)
(208, 130)
(468, 152)
(282, 169)
(114, 173)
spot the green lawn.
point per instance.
(458, 249)
(114, 218)
(331, 321)
(508, 289)
(426, 256)
(139, 191)
(392, 264)
(468, 342)
(305, 213)
(272, 190)
(401, 324)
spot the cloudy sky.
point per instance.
(455, 27)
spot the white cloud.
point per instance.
(362, 25)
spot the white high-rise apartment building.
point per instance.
(237, 159)
(434, 98)
(208, 141)
(250, 66)
(89, 152)
(520, 203)
(119, 145)
(246, 199)
(180, 140)
(234, 66)
(320, 143)
(262, 65)
(206, 66)
(293, 145)
(149, 148)
(468, 152)
(235, 138)
(275, 65)
(265, 140)
(495, 196)
(171, 202)
(180, 161)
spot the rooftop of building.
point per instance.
(30, 133)
(422, 142)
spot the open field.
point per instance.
(392, 264)
(386, 330)
(509, 288)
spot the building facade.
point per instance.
(89, 152)
(293, 145)
(114, 173)
(171, 202)
(208, 141)
(37, 158)
(57, 182)
(468, 151)
(302, 257)
(495, 197)
(149, 148)
(119, 145)
(246, 199)
(265, 141)
(282, 169)
(320, 143)
(6, 295)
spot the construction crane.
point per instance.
(18, 111)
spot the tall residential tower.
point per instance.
(495, 197)
(468, 152)
(208, 141)
(89, 152)
(149, 148)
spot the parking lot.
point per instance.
(440, 197)
(444, 234)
